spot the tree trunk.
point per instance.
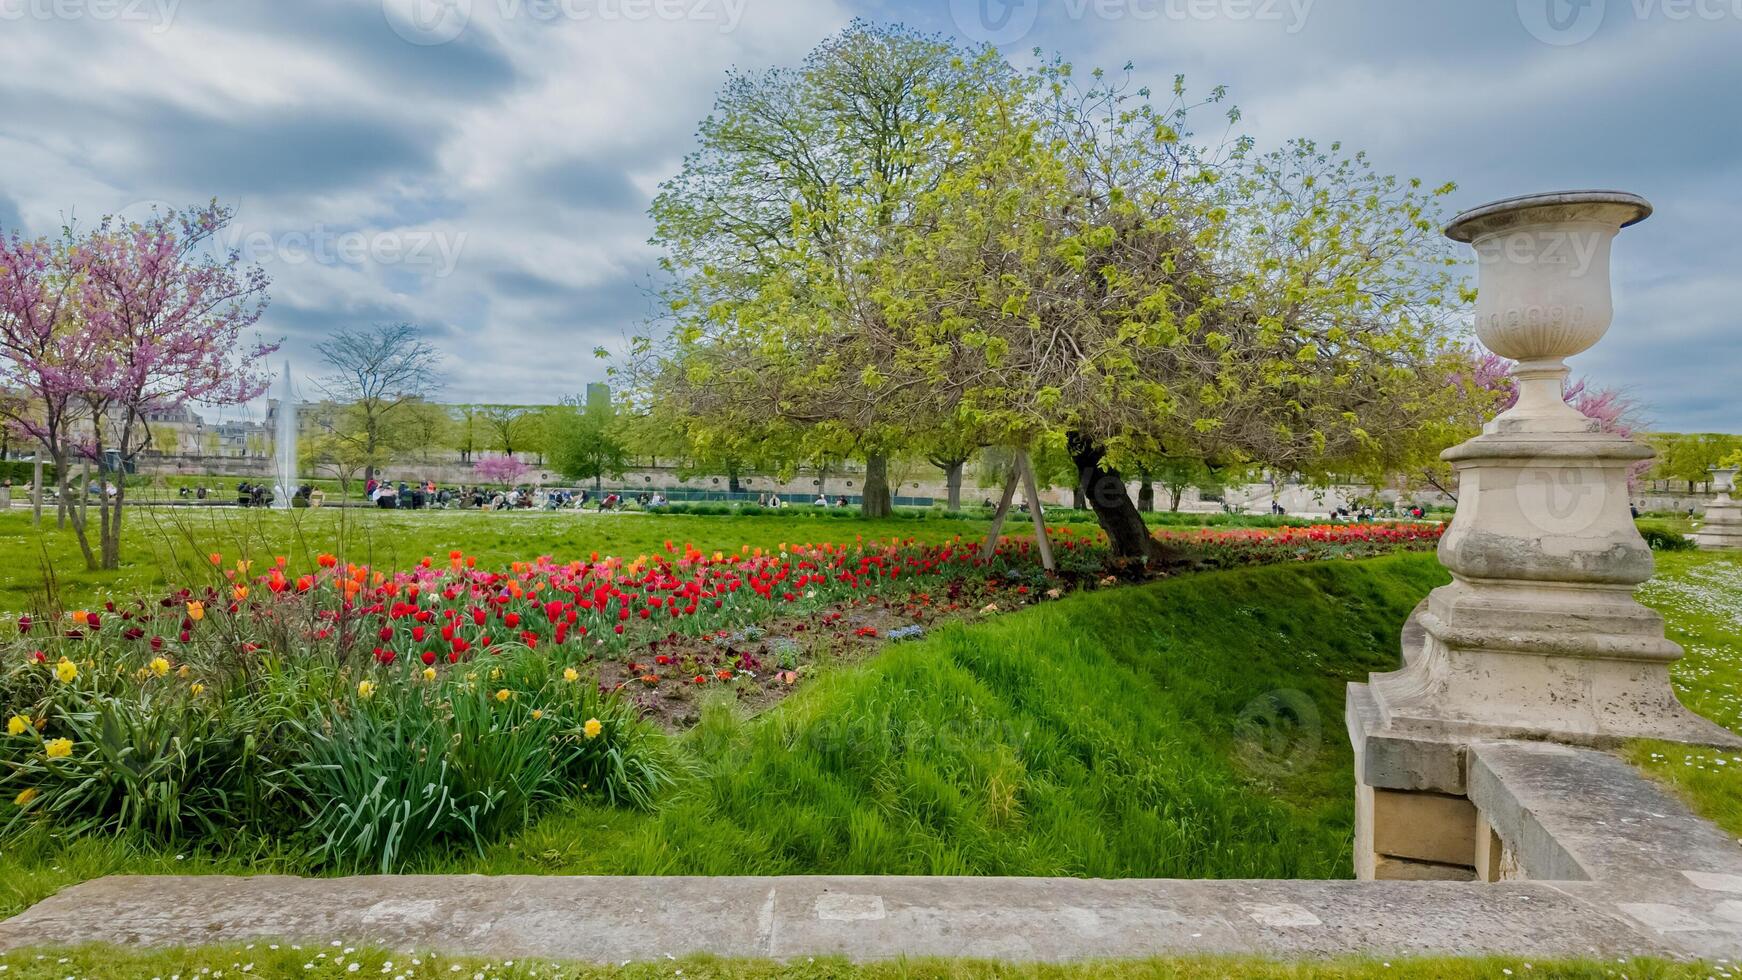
(1105, 490)
(1145, 491)
(1078, 501)
(876, 501)
(953, 480)
(1174, 495)
(36, 491)
(732, 484)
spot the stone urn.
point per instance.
(1722, 529)
(1539, 635)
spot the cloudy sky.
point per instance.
(483, 167)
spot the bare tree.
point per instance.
(378, 371)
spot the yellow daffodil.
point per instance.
(196, 611)
(592, 728)
(24, 798)
(58, 748)
(365, 689)
(66, 671)
(429, 673)
(17, 725)
(571, 675)
(504, 694)
(159, 667)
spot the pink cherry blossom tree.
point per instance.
(503, 470)
(1491, 375)
(163, 315)
(43, 352)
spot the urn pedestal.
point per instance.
(1722, 529)
(1538, 636)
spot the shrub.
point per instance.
(1663, 537)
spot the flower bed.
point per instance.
(373, 713)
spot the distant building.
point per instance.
(598, 396)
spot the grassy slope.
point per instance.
(1113, 733)
(264, 962)
(1098, 736)
(1700, 597)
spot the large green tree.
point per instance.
(586, 441)
(1087, 276)
(802, 179)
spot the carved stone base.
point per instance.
(1722, 529)
(1579, 664)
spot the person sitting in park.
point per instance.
(656, 501)
(841, 501)
(611, 502)
(821, 501)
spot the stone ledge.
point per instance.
(1575, 814)
(870, 918)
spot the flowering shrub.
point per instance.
(375, 713)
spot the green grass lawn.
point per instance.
(271, 961)
(1700, 597)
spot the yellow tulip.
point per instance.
(504, 694)
(58, 748)
(198, 689)
(429, 673)
(365, 689)
(196, 611)
(592, 728)
(537, 714)
(571, 675)
(66, 671)
(159, 667)
(24, 798)
(17, 725)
